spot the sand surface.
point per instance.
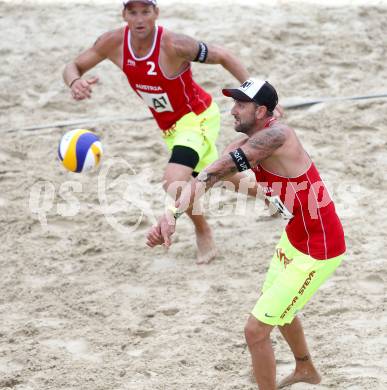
(84, 305)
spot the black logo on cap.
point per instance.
(246, 84)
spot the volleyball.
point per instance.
(80, 150)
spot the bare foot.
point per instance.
(307, 376)
(206, 247)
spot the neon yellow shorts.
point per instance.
(198, 132)
(293, 277)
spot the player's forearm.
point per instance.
(217, 171)
(220, 55)
(71, 73)
(190, 193)
(235, 67)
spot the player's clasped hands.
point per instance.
(82, 89)
(161, 233)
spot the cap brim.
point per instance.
(236, 94)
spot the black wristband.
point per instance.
(240, 160)
(202, 53)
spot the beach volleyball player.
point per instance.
(156, 62)
(310, 249)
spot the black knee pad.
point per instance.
(184, 155)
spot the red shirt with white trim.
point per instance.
(169, 99)
(314, 227)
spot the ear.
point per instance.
(157, 11)
(124, 14)
(260, 112)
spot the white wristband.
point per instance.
(175, 212)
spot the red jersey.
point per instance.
(169, 99)
(314, 227)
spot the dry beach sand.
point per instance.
(84, 304)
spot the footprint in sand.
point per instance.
(170, 312)
(372, 284)
(336, 311)
(78, 348)
(8, 155)
(143, 333)
(9, 383)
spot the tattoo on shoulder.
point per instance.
(266, 142)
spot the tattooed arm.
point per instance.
(256, 149)
(264, 144)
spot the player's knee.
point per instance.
(255, 331)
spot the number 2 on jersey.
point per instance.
(152, 67)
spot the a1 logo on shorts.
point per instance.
(158, 101)
(282, 257)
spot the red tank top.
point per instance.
(314, 227)
(169, 99)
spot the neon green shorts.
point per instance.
(198, 132)
(292, 279)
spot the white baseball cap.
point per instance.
(257, 91)
(149, 2)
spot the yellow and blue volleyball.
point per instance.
(80, 150)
